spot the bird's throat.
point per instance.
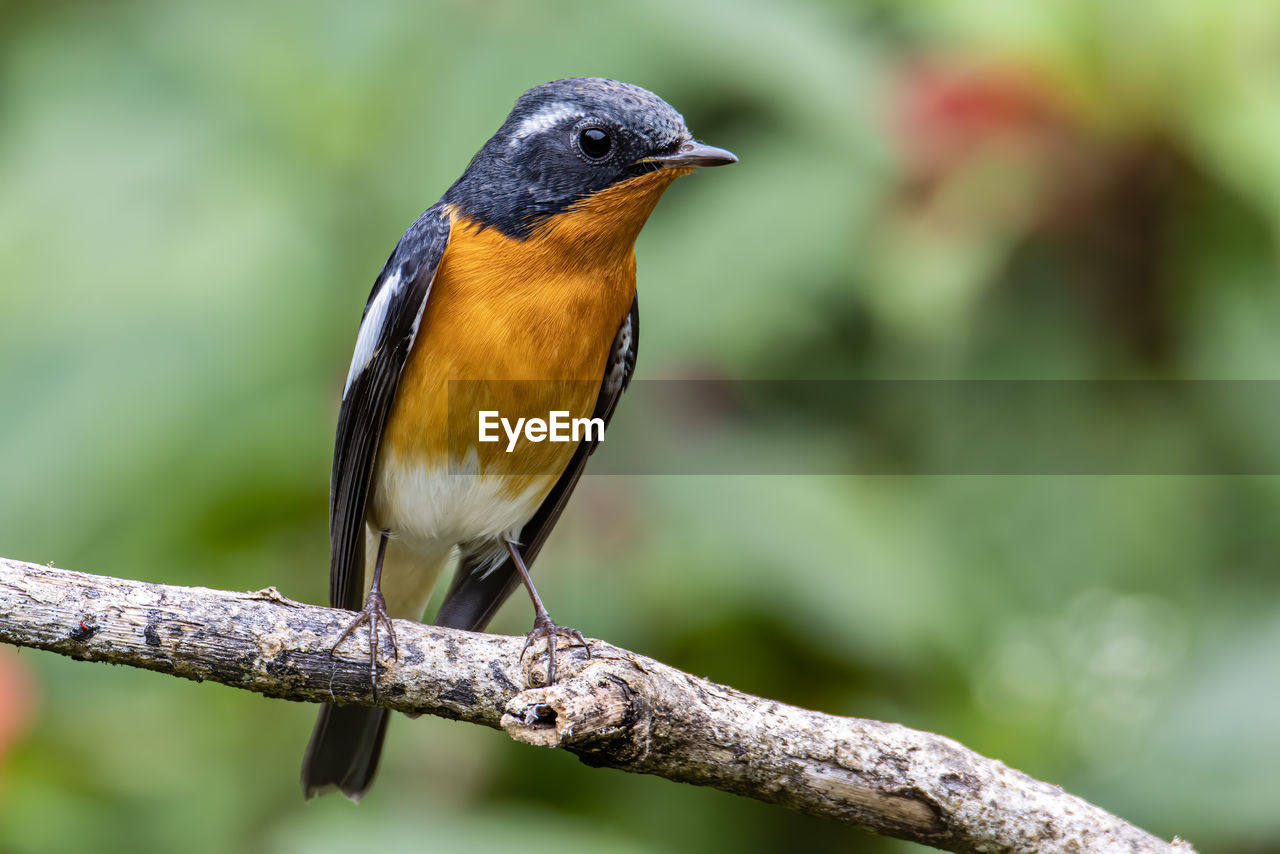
(605, 224)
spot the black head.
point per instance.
(566, 140)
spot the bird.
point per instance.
(517, 291)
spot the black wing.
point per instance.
(387, 331)
(476, 594)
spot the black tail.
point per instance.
(344, 750)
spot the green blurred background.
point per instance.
(195, 198)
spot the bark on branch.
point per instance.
(616, 709)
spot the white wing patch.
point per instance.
(371, 329)
(547, 117)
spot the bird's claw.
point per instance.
(374, 615)
(544, 628)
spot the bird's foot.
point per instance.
(374, 615)
(544, 628)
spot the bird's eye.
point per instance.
(595, 143)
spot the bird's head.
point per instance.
(585, 141)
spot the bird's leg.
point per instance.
(374, 614)
(543, 626)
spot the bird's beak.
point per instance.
(693, 153)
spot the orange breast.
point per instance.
(543, 310)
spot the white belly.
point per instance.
(428, 511)
(429, 508)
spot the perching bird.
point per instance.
(524, 270)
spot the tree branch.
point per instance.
(616, 709)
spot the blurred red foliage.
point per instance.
(17, 699)
(944, 113)
(1107, 197)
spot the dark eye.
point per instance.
(595, 143)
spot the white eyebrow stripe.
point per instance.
(371, 329)
(547, 117)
